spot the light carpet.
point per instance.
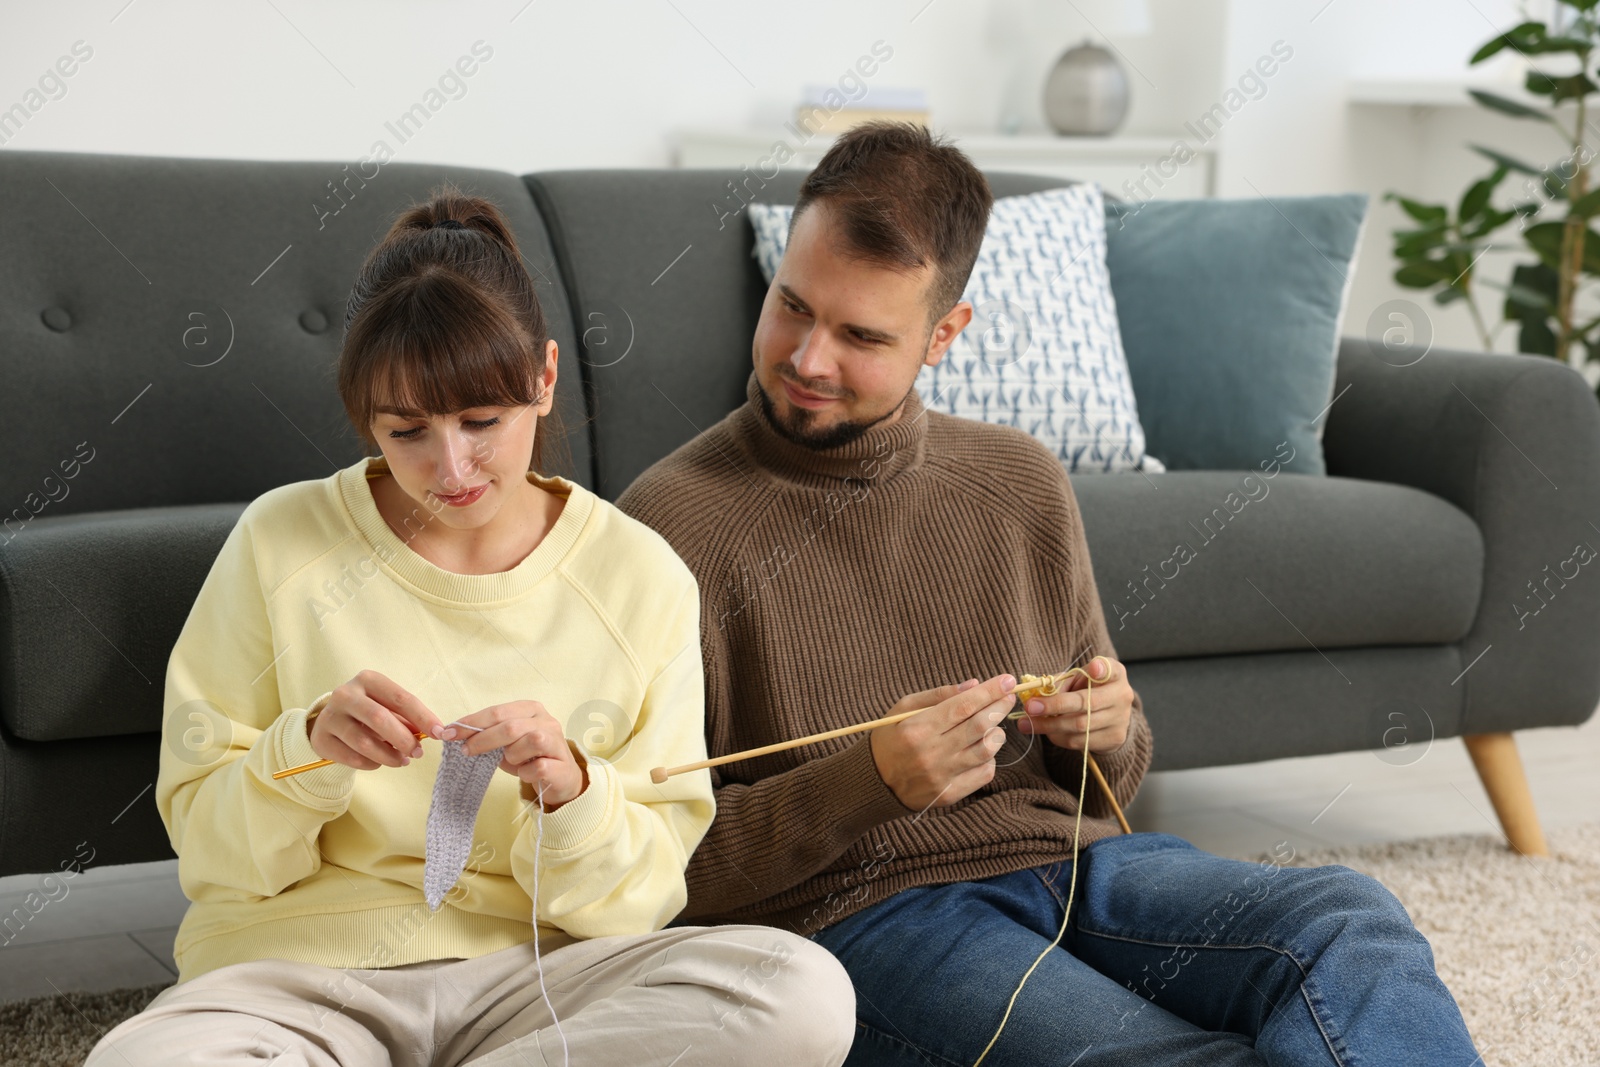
(1517, 940)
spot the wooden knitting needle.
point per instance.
(325, 762)
(1048, 684)
(661, 774)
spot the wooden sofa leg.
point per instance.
(1500, 767)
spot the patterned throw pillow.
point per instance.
(1043, 352)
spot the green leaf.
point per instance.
(1545, 239)
(1532, 291)
(1438, 226)
(1523, 298)
(1586, 205)
(1567, 87)
(1488, 50)
(1507, 106)
(1516, 37)
(1421, 275)
(1419, 211)
(1530, 301)
(1572, 87)
(1476, 198)
(1506, 161)
(1491, 220)
(1540, 83)
(1413, 243)
(1448, 295)
(1578, 46)
(1536, 338)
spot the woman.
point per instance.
(446, 582)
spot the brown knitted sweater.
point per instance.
(834, 582)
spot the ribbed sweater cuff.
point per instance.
(854, 794)
(576, 821)
(329, 787)
(1127, 760)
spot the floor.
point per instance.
(114, 926)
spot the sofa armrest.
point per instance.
(90, 607)
(1514, 441)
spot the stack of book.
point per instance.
(824, 109)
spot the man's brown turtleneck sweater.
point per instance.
(832, 583)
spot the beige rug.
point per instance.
(1516, 940)
(60, 1031)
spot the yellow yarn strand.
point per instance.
(1045, 687)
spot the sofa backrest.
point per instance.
(662, 283)
(169, 327)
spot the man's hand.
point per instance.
(536, 749)
(1060, 716)
(947, 751)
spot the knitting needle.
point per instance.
(325, 762)
(1046, 685)
(661, 774)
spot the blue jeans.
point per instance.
(1173, 956)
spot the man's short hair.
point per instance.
(906, 199)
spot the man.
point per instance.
(853, 547)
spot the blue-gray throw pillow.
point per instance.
(1230, 313)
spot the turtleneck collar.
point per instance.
(883, 452)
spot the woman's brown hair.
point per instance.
(444, 317)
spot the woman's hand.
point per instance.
(1060, 717)
(371, 722)
(536, 749)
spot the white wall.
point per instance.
(607, 82)
(601, 83)
(1305, 137)
(596, 83)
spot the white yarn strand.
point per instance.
(538, 961)
(566, 1056)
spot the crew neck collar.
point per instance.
(884, 451)
(397, 556)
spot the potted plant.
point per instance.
(1549, 297)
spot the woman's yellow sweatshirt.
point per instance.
(600, 623)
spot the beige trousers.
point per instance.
(685, 995)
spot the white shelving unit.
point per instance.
(1434, 92)
(1110, 161)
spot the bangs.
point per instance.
(435, 347)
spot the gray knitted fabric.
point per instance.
(457, 795)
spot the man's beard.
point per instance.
(834, 436)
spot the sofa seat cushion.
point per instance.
(1203, 563)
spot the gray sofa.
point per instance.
(168, 329)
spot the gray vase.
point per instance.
(1086, 92)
